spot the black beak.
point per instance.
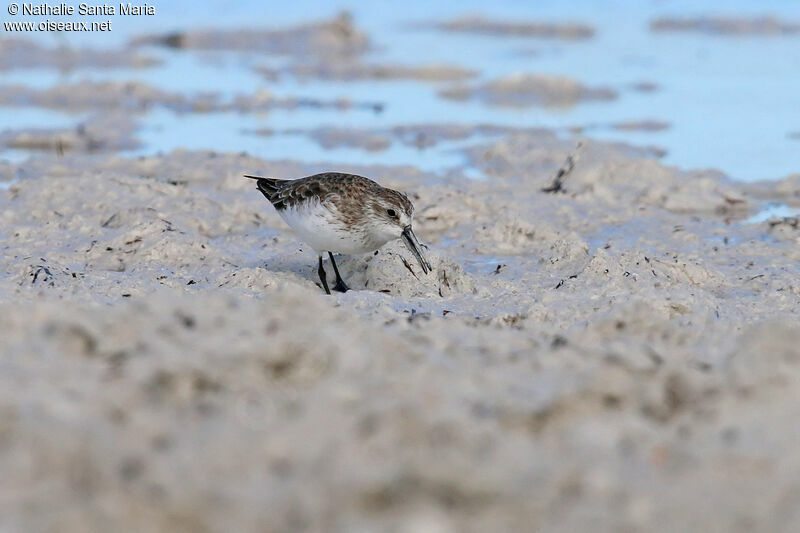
(411, 242)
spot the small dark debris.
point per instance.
(188, 321)
(191, 282)
(174, 40)
(558, 182)
(558, 342)
(416, 316)
(733, 201)
(702, 366)
(39, 271)
(131, 469)
(126, 295)
(792, 222)
(612, 401)
(405, 264)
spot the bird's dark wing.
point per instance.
(287, 193)
(270, 188)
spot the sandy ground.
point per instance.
(613, 350)
(619, 355)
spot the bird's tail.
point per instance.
(267, 186)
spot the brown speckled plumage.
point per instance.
(345, 191)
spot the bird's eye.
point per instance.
(392, 213)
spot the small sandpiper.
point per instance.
(342, 213)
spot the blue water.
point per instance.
(773, 211)
(730, 101)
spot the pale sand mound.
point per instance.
(394, 270)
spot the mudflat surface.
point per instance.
(606, 342)
(605, 356)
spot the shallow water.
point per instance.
(773, 211)
(726, 99)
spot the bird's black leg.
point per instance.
(340, 286)
(322, 277)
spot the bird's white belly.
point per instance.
(316, 226)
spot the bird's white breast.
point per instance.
(317, 226)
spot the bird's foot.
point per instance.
(341, 286)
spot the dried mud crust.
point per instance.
(26, 54)
(479, 25)
(728, 26)
(101, 133)
(334, 37)
(354, 70)
(140, 97)
(424, 136)
(526, 90)
(609, 355)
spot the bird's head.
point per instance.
(392, 215)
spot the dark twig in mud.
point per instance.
(558, 182)
(41, 269)
(792, 222)
(561, 283)
(405, 263)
